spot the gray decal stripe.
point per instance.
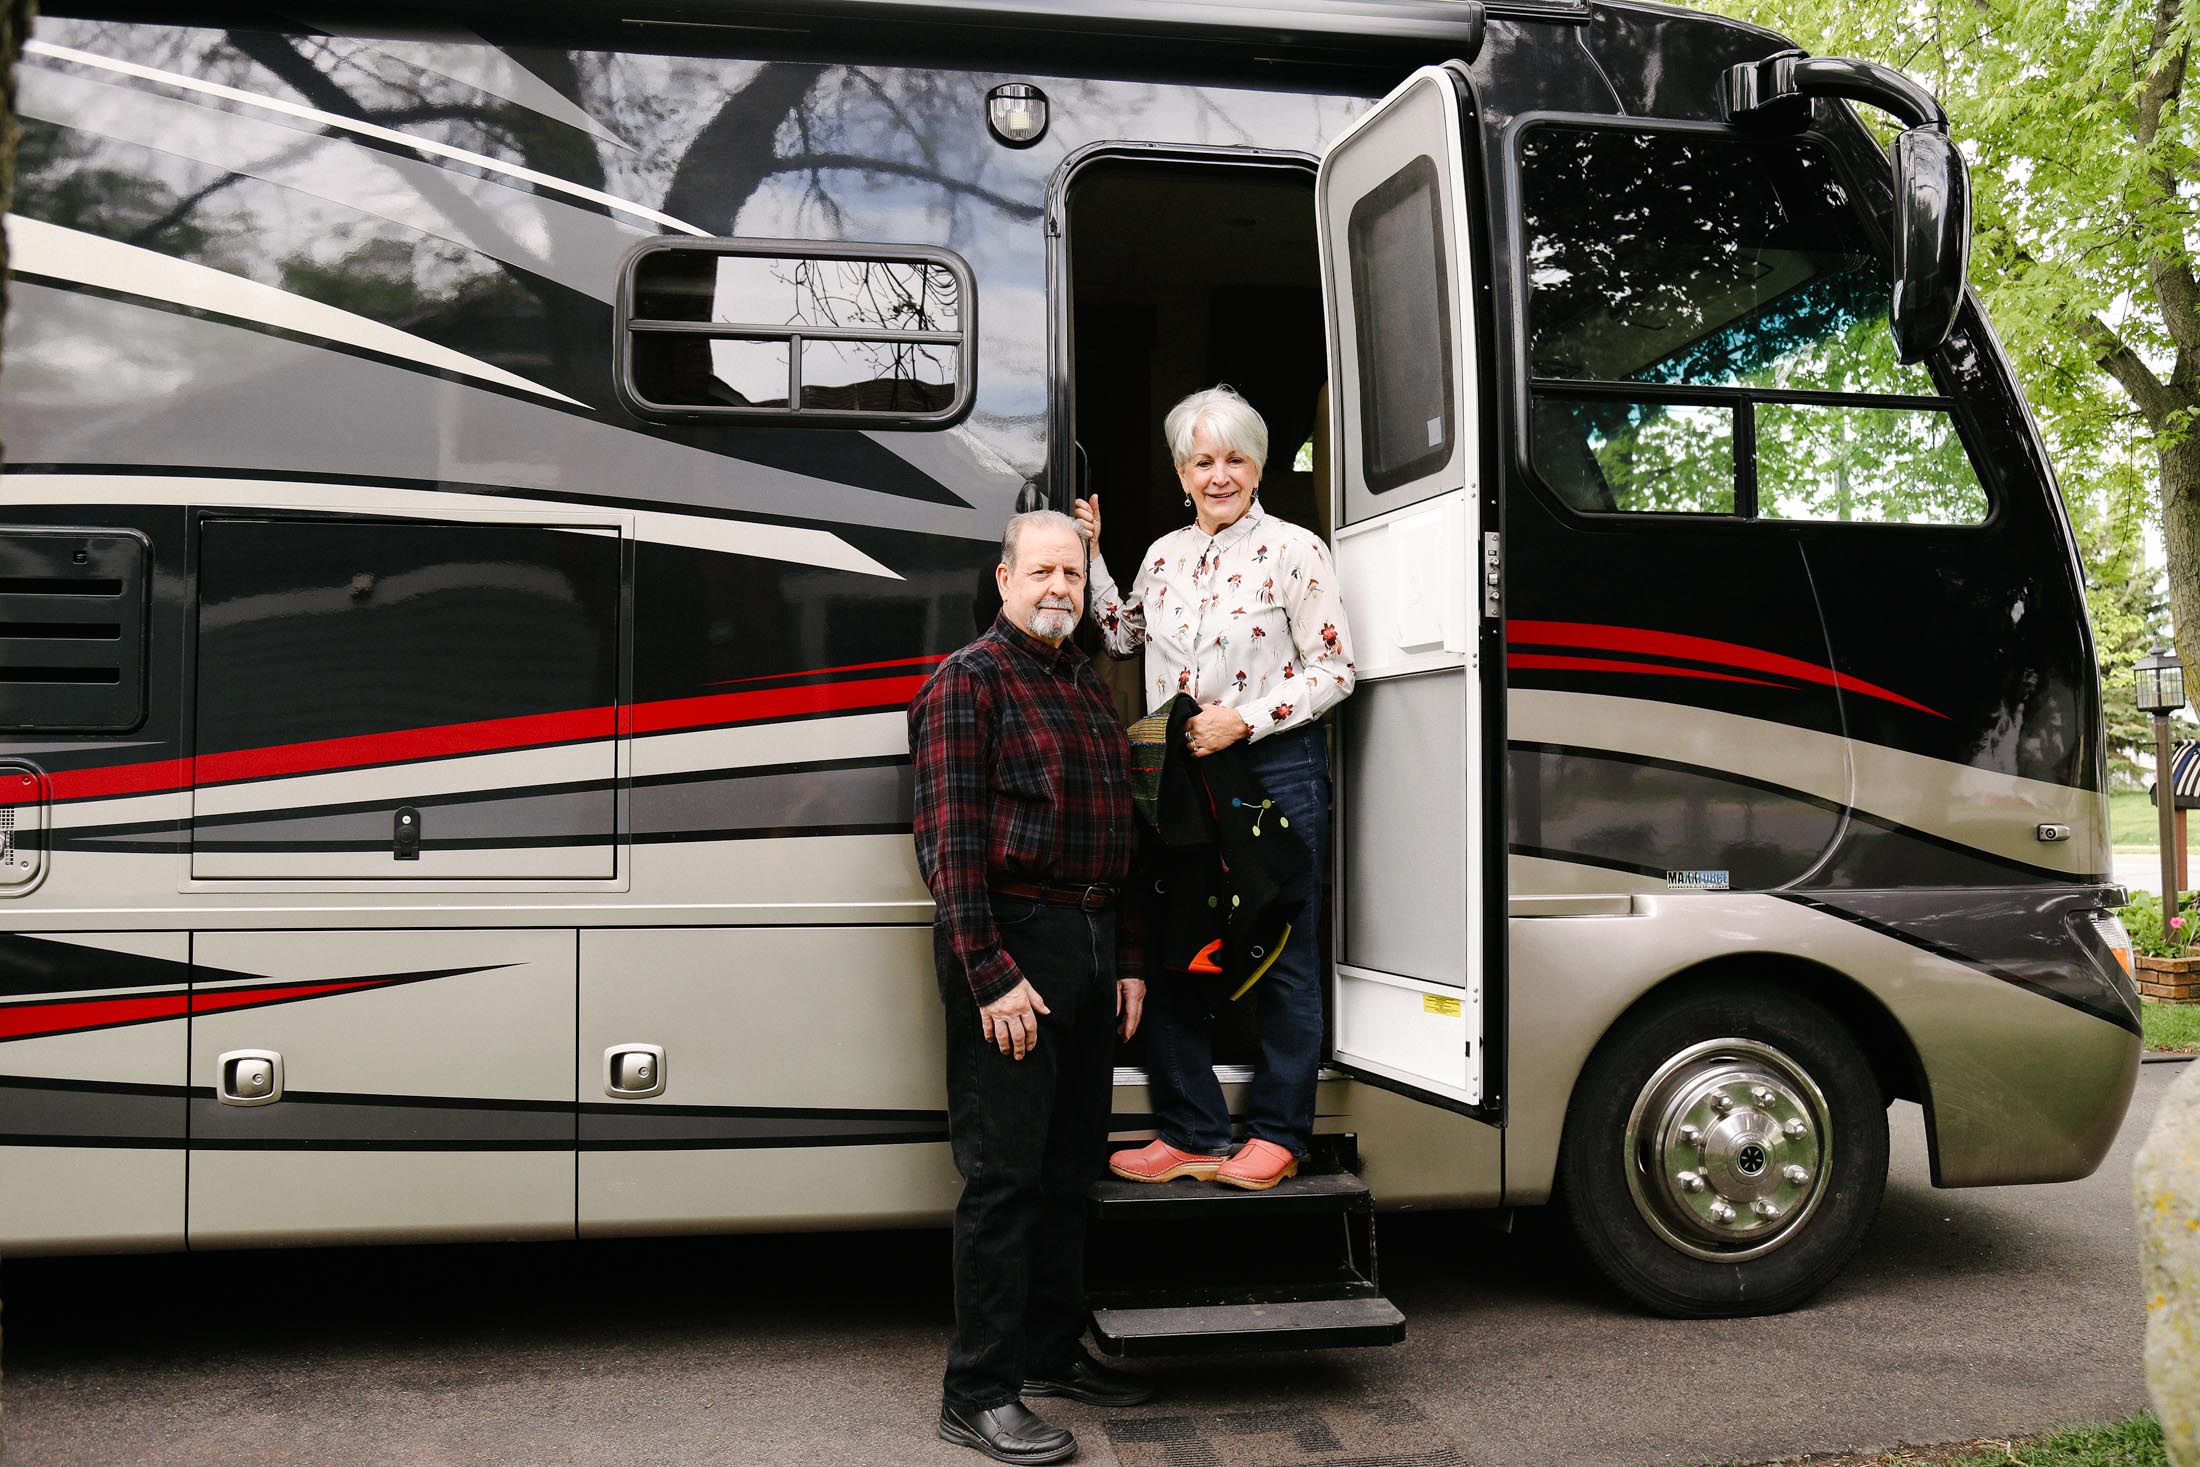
(2085, 998)
(530, 447)
(529, 497)
(64, 1117)
(644, 1128)
(580, 247)
(296, 1121)
(1578, 858)
(333, 345)
(2001, 863)
(832, 795)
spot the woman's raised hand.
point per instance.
(1088, 518)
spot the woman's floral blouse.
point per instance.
(1251, 618)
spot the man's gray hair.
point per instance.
(1228, 418)
(1049, 518)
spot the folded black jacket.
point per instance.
(1221, 860)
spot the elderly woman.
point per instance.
(1242, 611)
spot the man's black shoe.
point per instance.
(1086, 1379)
(1008, 1433)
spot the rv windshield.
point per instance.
(1708, 334)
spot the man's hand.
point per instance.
(1214, 728)
(1130, 1003)
(1088, 518)
(1012, 1020)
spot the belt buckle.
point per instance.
(1095, 898)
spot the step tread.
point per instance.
(1317, 1323)
(1326, 1191)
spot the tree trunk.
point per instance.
(2180, 461)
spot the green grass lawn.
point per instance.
(2171, 1026)
(2135, 1441)
(2132, 822)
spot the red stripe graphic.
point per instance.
(74, 1015)
(772, 677)
(1696, 649)
(495, 735)
(69, 1015)
(1607, 664)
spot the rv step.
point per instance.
(1115, 1200)
(1291, 1324)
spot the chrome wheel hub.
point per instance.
(1727, 1148)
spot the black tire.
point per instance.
(1626, 1158)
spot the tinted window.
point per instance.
(1733, 277)
(1684, 259)
(724, 329)
(1401, 305)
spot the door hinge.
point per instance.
(1492, 581)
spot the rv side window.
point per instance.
(1401, 300)
(1707, 334)
(793, 332)
(72, 631)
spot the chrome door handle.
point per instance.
(249, 1077)
(634, 1071)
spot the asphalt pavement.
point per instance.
(1968, 1315)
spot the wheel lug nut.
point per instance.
(1765, 1208)
(1761, 1095)
(1721, 1101)
(1794, 1174)
(1721, 1211)
(1690, 1181)
(1691, 1136)
(1795, 1129)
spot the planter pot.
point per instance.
(2169, 980)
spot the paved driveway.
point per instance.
(1968, 1314)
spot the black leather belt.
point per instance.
(1086, 898)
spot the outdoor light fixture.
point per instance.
(1017, 113)
(2161, 682)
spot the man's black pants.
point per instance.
(1028, 1138)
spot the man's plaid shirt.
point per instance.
(1021, 775)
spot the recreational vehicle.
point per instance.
(483, 487)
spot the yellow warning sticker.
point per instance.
(1432, 1003)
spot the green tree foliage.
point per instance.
(2086, 177)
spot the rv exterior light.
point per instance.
(2161, 682)
(1017, 113)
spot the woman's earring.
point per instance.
(1187, 501)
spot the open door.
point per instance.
(1417, 976)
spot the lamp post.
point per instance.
(2160, 683)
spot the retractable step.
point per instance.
(1301, 1324)
(1187, 1267)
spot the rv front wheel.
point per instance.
(1725, 1151)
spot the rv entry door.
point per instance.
(1411, 986)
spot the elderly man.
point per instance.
(1024, 834)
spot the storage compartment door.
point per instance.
(1408, 997)
(393, 700)
(381, 1086)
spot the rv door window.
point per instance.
(1733, 279)
(1400, 302)
(843, 336)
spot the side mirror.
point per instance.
(1932, 189)
(1932, 239)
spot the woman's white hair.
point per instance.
(1228, 419)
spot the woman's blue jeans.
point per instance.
(1279, 1105)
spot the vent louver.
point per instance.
(72, 631)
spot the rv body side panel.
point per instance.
(1870, 726)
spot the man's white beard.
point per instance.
(1049, 622)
